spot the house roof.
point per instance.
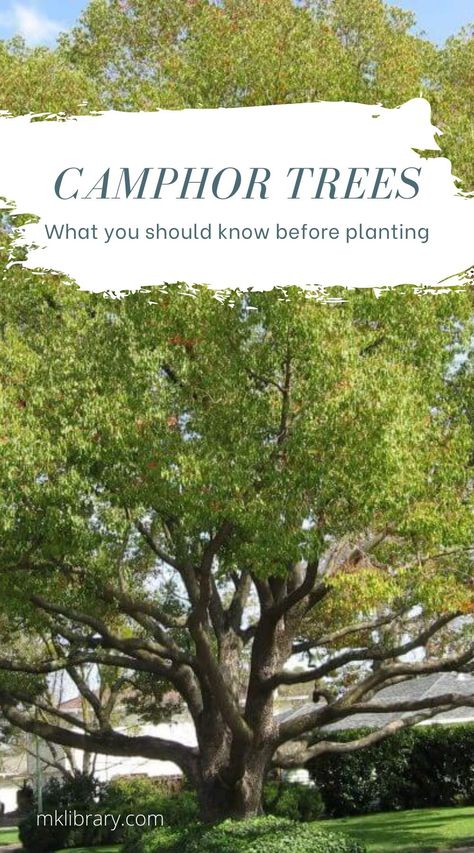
(70, 705)
(424, 687)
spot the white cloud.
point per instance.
(35, 26)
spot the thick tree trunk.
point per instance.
(249, 790)
(219, 801)
(230, 771)
(235, 792)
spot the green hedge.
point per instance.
(259, 835)
(119, 797)
(417, 768)
(293, 801)
(145, 796)
(78, 793)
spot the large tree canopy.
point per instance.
(196, 492)
(144, 55)
(245, 52)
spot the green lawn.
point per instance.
(411, 831)
(8, 835)
(113, 849)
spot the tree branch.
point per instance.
(303, 755)
(325, 714)
(160, 553)
(375, 653)
(328, 639)
(108, 743)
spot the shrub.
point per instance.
(74, 794)
(40, 839)
(146, 796)
(269, 834)
(164, 840)
(25, 799)
(180, 809)
(274, 835)
(442, 766)
(296, 802)
(119, 797)
(366, 780)
(417, 768)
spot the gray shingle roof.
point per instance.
(424, 687)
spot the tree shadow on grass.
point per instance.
(417, 832)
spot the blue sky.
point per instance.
(440, 18)
(40, 20)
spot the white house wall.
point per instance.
(108, 766)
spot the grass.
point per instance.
(8, 835)
(113, 849)
(416, 831)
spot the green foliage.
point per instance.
(275, 835)
(151, 699)
(362, 781)
(76, 793)
(453, 104)
(146, 54)
(387, 62)
(119, 797)
(441, 768)
(179, 808)
(169, 408)
(41, 839)
(149, 54)
(295, 802)
(420, 767)
(39, 80)
(94, 432)
(163, 840)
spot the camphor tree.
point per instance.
(144, 54)
(38, 80)
(197, 492)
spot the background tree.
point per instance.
(453, 104)
(39, 80)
